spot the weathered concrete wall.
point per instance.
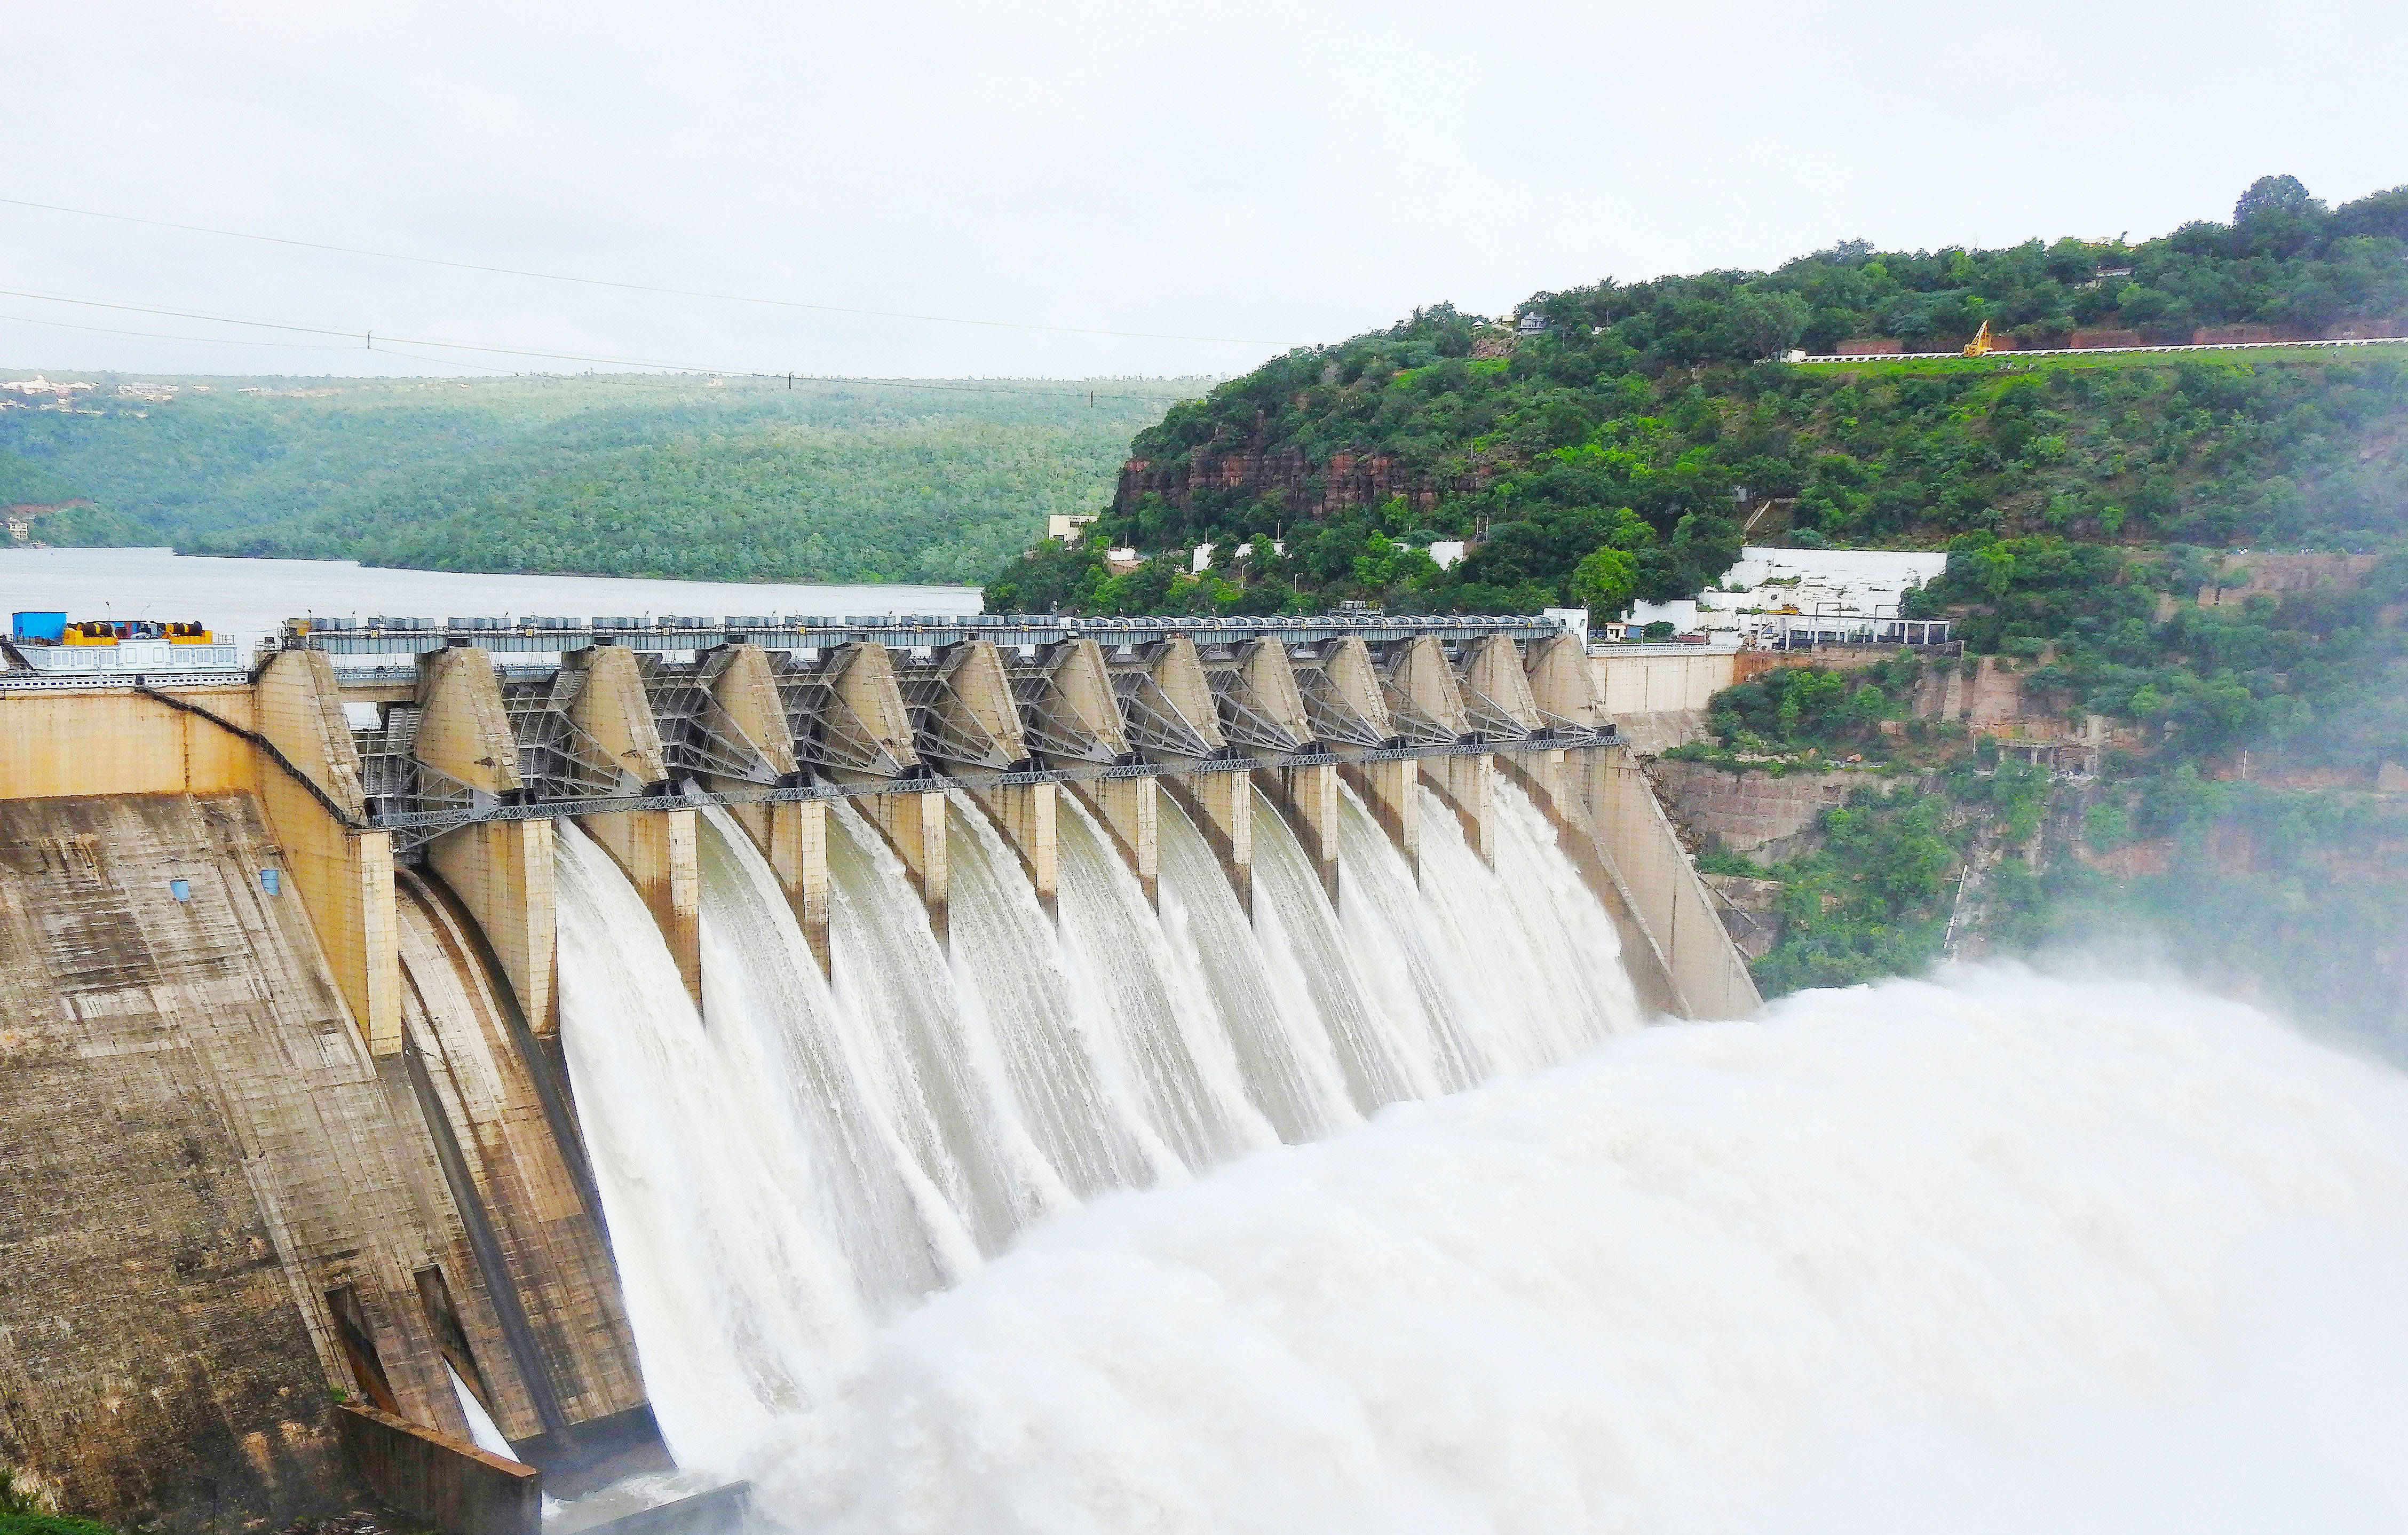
(1222, 805)
(1655, 683)
(793, 836)
(977, 706)
(1178, 673)
(1131, 813)
(1419, 684)
(567, 1356)
(502, 871)
(914, 824)
(344, 872)
(1307, 799)
(200, 1148)
(1024, 814)
(462, 729)
(1674, 946)
(1388, 791)
(656, 850)
(446, 1481)
(1464, 784)
(609, 706)
(122, 743)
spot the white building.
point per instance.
(1066, 527)
(1836, 596)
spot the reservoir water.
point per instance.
(250, 599)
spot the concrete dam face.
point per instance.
(576, 1042)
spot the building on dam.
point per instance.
(298, 1185)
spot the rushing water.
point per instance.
(998, 1232)
(2005, 1255)
(739, 1299)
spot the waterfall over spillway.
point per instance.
(941, 1079)
(804, 1160)
(1414, 980)
(1540, 961)
(1380, 1061)
(771, 1008)
(1187, 1071)
(1282, 1046)
(740, 1299)
(1065, 1064)
(920, 1250)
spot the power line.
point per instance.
(631, 287)
(368, 342)
(163, 336)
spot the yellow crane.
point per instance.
(1980, 345)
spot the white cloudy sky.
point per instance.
(1267, 174)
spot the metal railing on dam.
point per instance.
(348, 639)
(760, 711)
(413, 829)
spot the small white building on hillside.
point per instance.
(1834, 596)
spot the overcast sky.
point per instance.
(1225, 182)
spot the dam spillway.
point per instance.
(706, 1003)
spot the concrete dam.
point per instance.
(568, 1039)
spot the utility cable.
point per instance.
(628, 287)
(369, 341)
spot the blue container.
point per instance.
(50, 626)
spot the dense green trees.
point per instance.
(1638, 415)
(733, 479)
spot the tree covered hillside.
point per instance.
(734, 480)
(1604, 455)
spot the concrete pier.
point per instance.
(1026, 813)
(914, 824)
(1307, 799)
(344, 870)
(1222, 805)
(1462, 785)
(1131, 814)
(1390, 792)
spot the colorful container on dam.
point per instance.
(47, 643)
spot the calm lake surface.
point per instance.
(249, 599)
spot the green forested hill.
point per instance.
(734, 480)
(1600, 454)
(2248, 822)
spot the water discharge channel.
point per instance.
(1385, 1215)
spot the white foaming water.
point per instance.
(1407, 965)
(1282, 1048)
(2003, 1254)
(1068, 1073)
(740, 1302)
(770, 1011)
(1541, 958)
(939, 1070)
(482, 1430)
(1300, 933)
(1120, 959)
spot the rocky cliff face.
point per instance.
(1304, 488)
